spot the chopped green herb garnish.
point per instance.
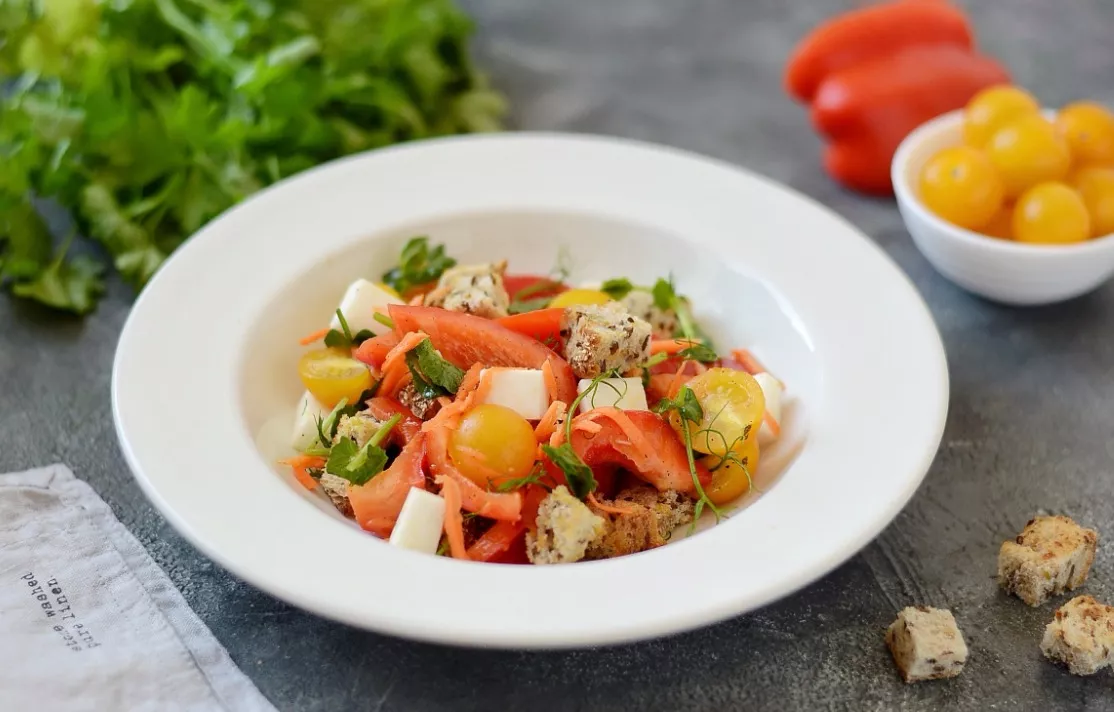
(542, 285)
(522, 306)
(617, 288)
(344, 338)
(688, 407)
(433, 376)
(384, 320)
(533, 478)
(698, 352)
(327, 426)
(419, 264)
(359, 465)
(579, 476)
(664, 294)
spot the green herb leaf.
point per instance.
(617, 288)
(542, 285)
(360, 465)
(382, 319)
(664, 295)
(343, 338)
(698, 352)
(581, 480)
(433, 376)
(686, 404)
(522, 306)
(327, 426)
(655, 360)
(419, 264)
(533, 478)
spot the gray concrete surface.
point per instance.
(1031, 425)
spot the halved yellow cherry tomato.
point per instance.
(992, 108)
(730, 480)
(493, 444)
(580, 297)
(332, 374)
(733, 405)
(1052, 214)
(1089, 130)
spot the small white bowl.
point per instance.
(1001, 270)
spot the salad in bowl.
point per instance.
(466, 411)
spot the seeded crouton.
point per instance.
(1050, 556)
(565, 528)
(640, 303)
(337, 490)
(601, 338)
(359, 427)
(926, 644)
(1081, 636)
(472, 289)
(423, 408)
(647, 522)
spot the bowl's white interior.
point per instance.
(734, 306)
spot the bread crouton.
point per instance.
(337, 490)
(601, 338)
(565, 528)
(647, 522)
(1081, 636)
(1050, 556)
(472, 289)
(640, 303)
(359, 427)
(926, 644)
(423, 408)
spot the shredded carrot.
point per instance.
(471, 379)
(678, 380)
(449, 415)
(397, 354)
(548, 423)
(775, 427)
(609, 508)
(454, 522)
(394, 380)
(750, 364)
(700, 368)
(301, 464)
(550, 381)
(557, 437)
(589, 426)
(671, 346)
(315, 336)
(417, 300)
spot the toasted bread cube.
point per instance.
(926, 644)
(359, 427)
(602, 338)
(565, 529)
(472, 289)
(337, 490)
(1050, 556)
(1081, 636)
(646, 521)
(422, 407)
(640, 303)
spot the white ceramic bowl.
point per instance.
(1001, 270)
(204, 383)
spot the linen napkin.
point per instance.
(88, 621)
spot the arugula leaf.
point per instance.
(433, 376)
(617, 288)
(581, 480)
(419, 264)
(359, 465)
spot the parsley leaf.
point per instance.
(617, 288)
(419, 264)
(433, 376)
(359, 465)
(579, 476)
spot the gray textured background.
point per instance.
(1031, 425)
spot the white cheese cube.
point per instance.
(358, 307)
(622, 393)
(520, 389)
(420, 522)
(305, 422)
(772, 390)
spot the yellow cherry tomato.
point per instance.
(730, 480)
(1096, 187)
(991, 109)
(1027, 151)
(1001, 225)
(733, 405)
(580, 297)
(493, 444)
(960, 185)
(332, 374)
(1051, 213)
(389, 290)
(1089, 130)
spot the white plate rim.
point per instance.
(909, 381)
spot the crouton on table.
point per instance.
(926, 644)
(1050, 556)
(1081, 636)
